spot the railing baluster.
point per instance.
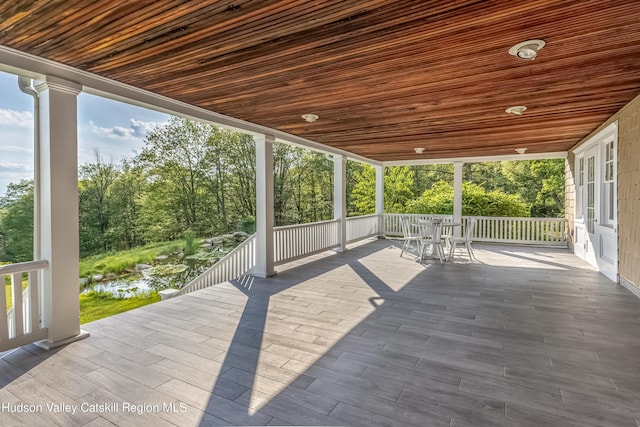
(16, 284)
(34, 309)
(4, 328)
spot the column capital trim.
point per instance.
(59, 85)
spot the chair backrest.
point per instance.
(425, 228)
(471, 226)
(406, 226)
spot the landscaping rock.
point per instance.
(205, 245)
(141, 267)
(83, 281)
(161, 257)
(97, 277)
(112, 276)
(240, 236)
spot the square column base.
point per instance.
(48, 345)
(264, 276)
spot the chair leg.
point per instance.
(440, 250)
(421, 247)
(452, 249)
(471, 254)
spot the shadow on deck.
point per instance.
(525, 336)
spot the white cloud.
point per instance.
(141, 128)
(15, 149)
(137, 129)
(15, 166)
(15, 118)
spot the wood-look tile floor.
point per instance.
(524, 336)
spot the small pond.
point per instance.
(121, 287)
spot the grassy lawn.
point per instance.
(7, 289)
(120, 262)
(96, 305)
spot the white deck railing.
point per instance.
(291, 242)
(296, 241)
(239, 262)
(525, 231)
(361, 227)
(22, 324)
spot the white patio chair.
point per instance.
(431, 232)
(466, 240)
(409, 236)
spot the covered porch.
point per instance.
(525, 336)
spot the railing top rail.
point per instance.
(309, 224)
(361, 216)
(519, 218)
(22, 267)
(187, 288)
(415, 214)
(238, 248)
(522, 218)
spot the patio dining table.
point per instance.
(424, 227)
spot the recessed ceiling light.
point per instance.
(419, 150)
(310, 117)
(521, 150)
(516, 110)
(527, 49)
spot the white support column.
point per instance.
(457, 196)
(264, 206)
(59, 210)
(340, 198)
(380, 198)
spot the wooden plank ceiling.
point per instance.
(384, 76)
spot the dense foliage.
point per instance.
(196, 178)
(517, 188)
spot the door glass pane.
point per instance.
(612, 204)
(608, 190)
(580, 188)
(591, 194)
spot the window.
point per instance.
(608, 185)
(591, 194)
(579, 188)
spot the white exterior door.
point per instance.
(590, 209)
(596, 239)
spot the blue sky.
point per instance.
(113, 128)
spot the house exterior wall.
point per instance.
(628, 156)
(569, 196)
(629, 193)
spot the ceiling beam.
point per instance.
(479, 159)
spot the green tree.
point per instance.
(540, 183)
(175, 161)
(94, 204)
(354, 170)
(126, 194)
(398, 189)
(242, 176)
(426, 176)
(16, 222)
(285, 160)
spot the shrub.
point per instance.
(475, 201)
